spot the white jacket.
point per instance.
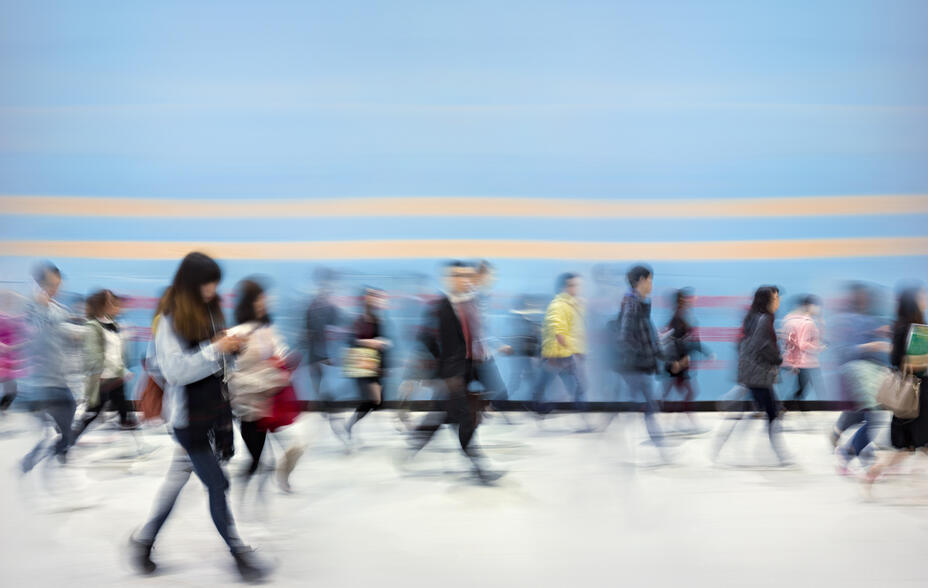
(256, 377)
(179, 366)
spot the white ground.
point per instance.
(574, 510)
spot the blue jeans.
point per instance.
(640, 386)
(59, 405)
(569, 369)
(859, 443)
(194, 456)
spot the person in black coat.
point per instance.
(759, 361)
(907, 435)
(369, 333)
(452, 338)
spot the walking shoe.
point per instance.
(487, 477)
(249, 566)
(140, 556)
(130, 425)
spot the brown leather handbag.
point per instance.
(899, 393)
(151, 399)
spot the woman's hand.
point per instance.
(226, 343)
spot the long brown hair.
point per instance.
(193, 319)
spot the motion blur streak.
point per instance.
(438, 249)
(471, 206)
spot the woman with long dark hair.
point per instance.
(368, 352)
(190, 348)
(261, 371)
(759, 361)
(907, 435)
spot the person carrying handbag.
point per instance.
(261, 374)
(191, 351)
(906, 434)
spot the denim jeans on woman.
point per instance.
(195, 455)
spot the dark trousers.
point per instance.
(462, 411)
(254, 437)
(9, 394)
(368, 402)
(58, 405)
(197, 457)
(766, 400)
(111, 392)
(685, 386)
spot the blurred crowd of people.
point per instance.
(207, 376)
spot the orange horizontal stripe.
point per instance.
(500, 249)
(477, 206)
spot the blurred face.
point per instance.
(814, 310)
(261, 306)
(645, 285)
(51, 283)
(573, 286)
(112, 307)
(208, 291)
(774, 303)
(922, 300)
(459, 280)
(686, 302)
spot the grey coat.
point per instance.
(759, 356)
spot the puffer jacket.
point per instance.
(257, 375)
(638, 345)
(759, 357)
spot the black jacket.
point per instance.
(443, 336)
(759, 357)
(638, 346)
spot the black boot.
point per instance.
(140, 556)
(251, 569)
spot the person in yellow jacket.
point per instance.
(563, 345)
